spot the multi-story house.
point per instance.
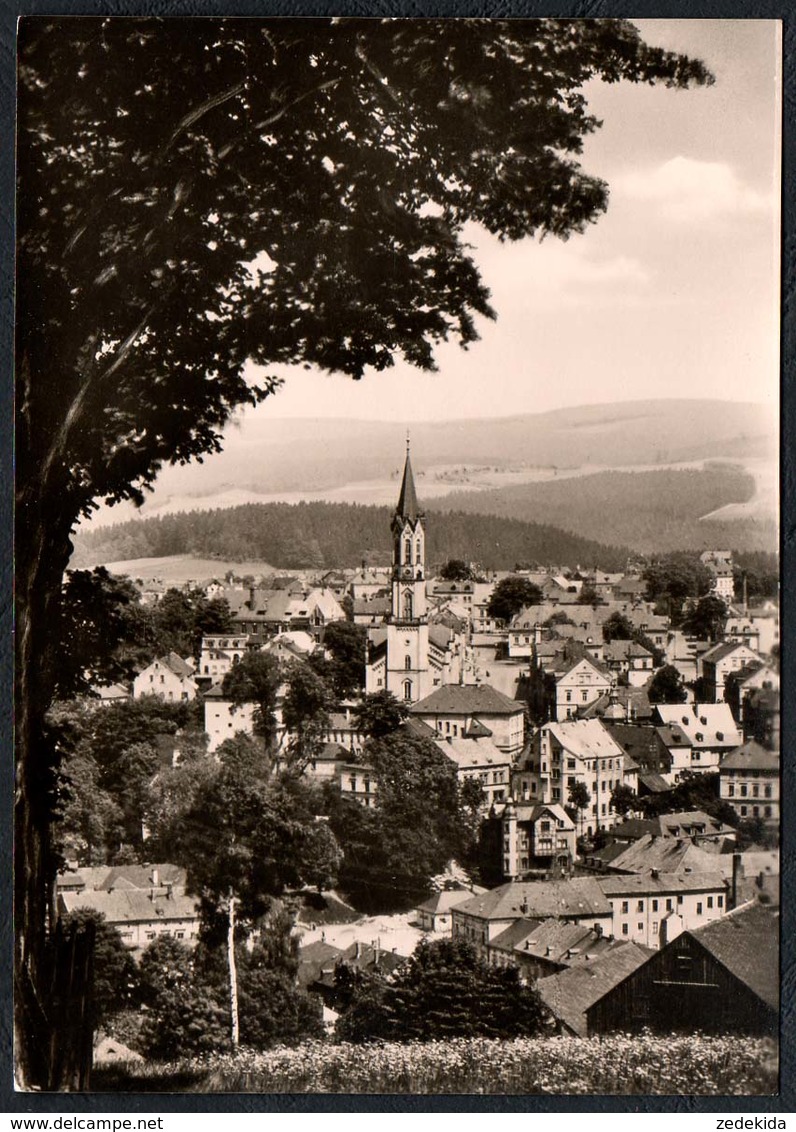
(650, 909)
(721, 661)
(749, 782)
(542, 947)
(578, 684)
(573, 751)
(358, 783)
(474, 711)
(523, 840)
(629, 661)
(218, 654)
(579, 899)
(169, 677)
(140, 916)
(719, 563)
(225, 719)
(478, 758)
(710, 729)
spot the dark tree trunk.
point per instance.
(43, 548)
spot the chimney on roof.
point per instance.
(251, 598)
(736, 872)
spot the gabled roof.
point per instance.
(618, 650)
(633, 700)
(569, 665)
(751, 756)
(470, 753)
(515, 934)
(467, 699)
(176, 665)
(684, 823)
(746, 943)
(477, 730)
(421, 728)
(584, 738)
(579, 896)
(706, 725)
(142, 876)
(133, 906)
(672, 736)
(654, 783)
(558, 941)
(642, 885)
(440, 635)
(726, 648)
(570, 993)
(442, 902)
(662, 854)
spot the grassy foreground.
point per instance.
(645, 1065)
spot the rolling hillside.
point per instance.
(650, 511)
(317, 535)
(267, 459)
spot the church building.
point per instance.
(408, 656)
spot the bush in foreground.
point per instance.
(653, 1065)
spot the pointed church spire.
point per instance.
(407, 501)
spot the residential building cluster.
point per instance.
(622, 921)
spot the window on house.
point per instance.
(699, 907)
(640, 926)
(767, 794)
(569, 697)
(655, 905)
(710, 902)
(625, 906)
(668, 905)
(720, 900)
(625, 929)
(640, 906)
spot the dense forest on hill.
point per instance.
(317, 535)
(651, 511)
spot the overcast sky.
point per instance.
(673, 293)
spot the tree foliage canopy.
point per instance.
(198, 193)
(444, 991)
(511, 595)
(667, 687)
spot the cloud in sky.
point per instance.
(688, 191)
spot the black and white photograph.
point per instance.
(397, 579)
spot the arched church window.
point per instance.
(408, 552)
(418, 553)
(408, 605)
(407, 689)
(408, 663)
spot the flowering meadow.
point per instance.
(618, 1064)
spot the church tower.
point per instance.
(408, 674)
